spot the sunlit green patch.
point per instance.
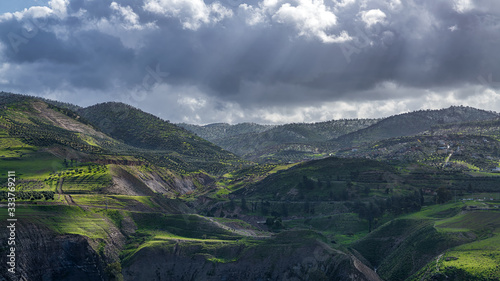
(465, 164)
(437, 211)
(282, 167)
(84, 178)
(97, 200)
(31, 166)
(65, 220)
(340, 228)
(13, 147)
(146, 200)
(480, 259)
(88, 139)
(470, 221)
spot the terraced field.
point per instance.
(478, 259)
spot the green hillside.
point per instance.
(121, 131)
(288, 142)
(110, 192)
(145, 131)
(212, 132)
(301, 141)
(411, 124)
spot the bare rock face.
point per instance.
(314, 261)
(44, 255)
(41, 254)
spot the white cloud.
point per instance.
(33, 12)
(123, 23)
(6, 16)
(191, 13)
(307, 16)
(296, 82)
(310, 18)
(59, 7)
(183, 103)
(56, 7)
(463, 6)
(252, 15)
(372, 17)
(270, 4)
(343, 3)
(193, 103)
(190, 104)
(484, 98)
(4, 68)
(127, 13)
(394, 5)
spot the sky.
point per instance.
(262, 61)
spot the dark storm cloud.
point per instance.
(231, 55)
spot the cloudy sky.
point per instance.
(264, 61)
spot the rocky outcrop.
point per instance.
(41, 254)
(131, 180)
(313, 261)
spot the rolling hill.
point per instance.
(109, 192)
(115, 129)
(256, 142)
(149, 133)
(302, 141)
(217, 131)
(412, 123)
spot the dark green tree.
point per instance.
(244, 206)
(306, 207)
(284, 210)
(443, 195)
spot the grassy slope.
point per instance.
(420, 237)
(337, 171)
(411, 244)
(145, 131)
(28, 123)
(477, 260)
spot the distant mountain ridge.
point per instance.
(304, 141)
(256, 138)
(413, 123)
(216, 131)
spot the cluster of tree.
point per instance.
(274, 223)
(335, 194)
(42, 134)
(9, 98)
(375, 208)
(29, 195)
(183, 164)
(308, 209)
(144, 136)
(265, 207)
(308, 184)
(143, 130)
(443, 195)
